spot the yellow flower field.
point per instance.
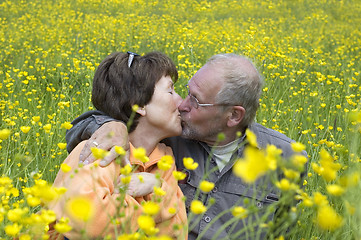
(309, 53)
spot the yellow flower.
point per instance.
(62, 145)
(135, 107)
(48, 216)
(328, 219)
(47, 127)
(206, 186)
(80, 208)
(197, 207)
(147, 224)
(335, 189)
(240, 212)
(33, 201)
(319, 199)
(158, 191)
(99, 153)
(298, 160)
(66, 125)
(291, 174)
(172, 210)
(328, 168)
(4, 134)
(65, 167)
(126, 180)
(179, 175)
(126, 170)
(165, 162)
(12, 230)
(272, 155)
(150, 208)
(35, 118)
(140, 154)
(189, 163)
(15, 215)
(251, 137)
(25, 237)
(25, 129)
(285, 185)
(120, 150)
(252, 166)
(62, 226)
(298, 147)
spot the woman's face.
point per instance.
(162, 111)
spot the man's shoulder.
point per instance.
(267, 136)
(263, 132)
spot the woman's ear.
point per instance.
(142, 111)
(236, 116)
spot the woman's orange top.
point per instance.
(110, 214)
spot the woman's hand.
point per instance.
(108, 136)
(140, 184)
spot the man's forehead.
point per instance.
(206, 81)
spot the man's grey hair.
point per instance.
(242, 85)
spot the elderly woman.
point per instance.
(122, 81)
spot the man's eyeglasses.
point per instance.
(195, 103)
(131, 57)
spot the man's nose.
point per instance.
(185, 105)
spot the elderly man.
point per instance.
(223, 97)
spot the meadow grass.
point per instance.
(308, 52)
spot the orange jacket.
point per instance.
(97, 184)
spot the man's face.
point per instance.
(203, 123)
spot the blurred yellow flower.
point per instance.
(135, 108)
(140, 154)
(159, 191)
(298, 147)
(126, 170)
(12, 230)
(335, 190)
(327, 168)
(239, 212)
(197, 207)
(206, 186)
(47, 127)
(120, 150)
(62, 226)
(172, 210)
(147, 224)
(80, 208)
(272, 155)
(319, 199)
(66, 125)
(165, 162)
(4, 134)
(99, 153)
(15, 215)
(62, 145)
(328, 219)
(150, 208)
(25, 129)
(189, 163)
(179, 175)
(65, 167)
(125, 180)
(291, 174)
(35, 118)
(251, 137)
(252, 166)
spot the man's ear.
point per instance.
(236, 116)
(142, 111)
